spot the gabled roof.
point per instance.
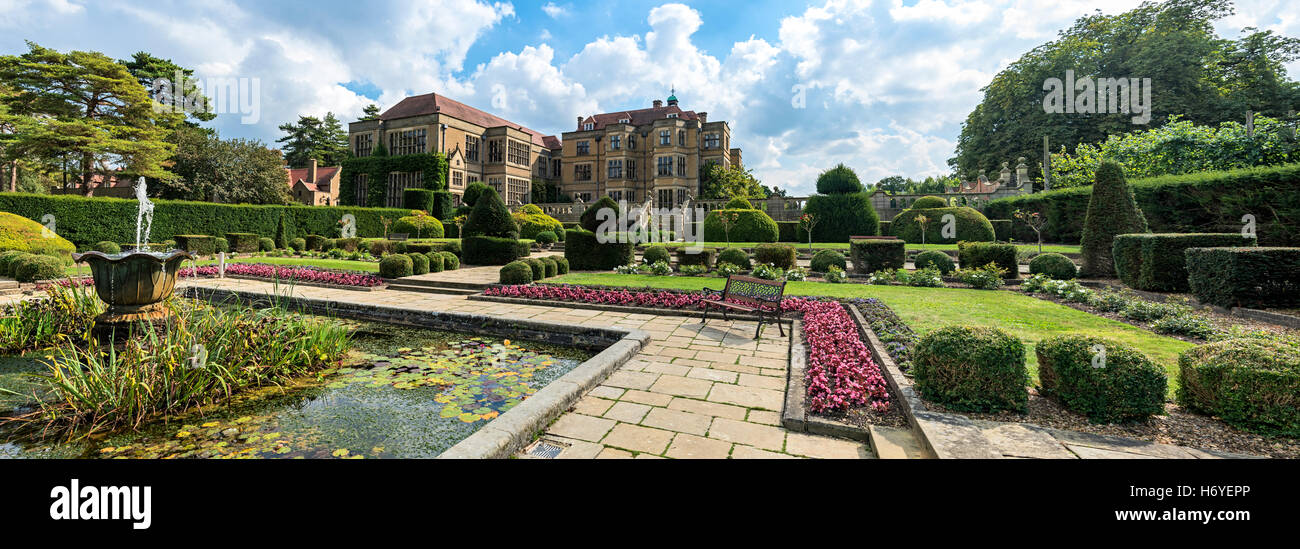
(431, 103)
(551, 142)
(324, 175)
(639, 117)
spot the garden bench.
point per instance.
(399, 237)
(748, 294)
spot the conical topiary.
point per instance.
(1112, 210)
(590, 221)
(490, 218)
(281, 239)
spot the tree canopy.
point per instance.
(323, 139)
(733, 181)
(232, 171)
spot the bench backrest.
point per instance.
(754, 291)
(401, 237)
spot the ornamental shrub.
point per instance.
(223, 245)
(299, 244)
(1120, 385)
(589, 221)
(972, 369)
(419, 264)
(517, 272)
(1252, 384)
(1158, 262)
(490, 218)
(1002, 230)
(886, 228)
(839, 180)
(979, 254)
(525, 247)
(417, 226)
(823, 260)
(449, 261)
(739, 203)
(453, 246)
(870, 256)
(561, 264)
(841, 216)
(552, 268)
(586, 254)
(33, 267)
(417, 199)
(835, 275)
(265, 244)
(437, 263)
(779, 255)
(473, 192)
(8, 259)
(314, 242)
(988, 277)
(971, 226)
(378, 248)
(702, 256)
(203, 245)
(928, 202)
(396, 266)
(546, 238)
(1244, 277)
(749, 226)
(489, 250)
(1055, 266)
(24, 235)
(1112, 210)
(244, 243)
(655, 254)
(936, 259)
(767, 271)
(539, 268)
(735, 256)
(533, 222)
(108, 247)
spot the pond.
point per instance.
(401, 393)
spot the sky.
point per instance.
(879, 85)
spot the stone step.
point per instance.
(400, 287)
(433, 283)
(895, 443)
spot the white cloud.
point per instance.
(555, 11)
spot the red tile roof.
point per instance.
(420, 105)
(324, 175)
(638, 117)
(551, 142)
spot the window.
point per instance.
(616, 169)
(495, 152)
(471, 179)
(631, 169)
(555, 167)
(398, 182)
(681, 166)
(681, 196)
(665, 137)
(615, 142)
(406, 142)
(517, 191)
(665, 166)
(631, 142)
(681, 137)
(361, 189)
(365, 144)
(585, 197)
(588, 127)
(672, 115)
(582, 172)
(616, 195)
(518, 153)
(457, 179)
(712, 141)
(624, 121)
(471, 148)
(584, 147)
(665, 198)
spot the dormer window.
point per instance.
(624, 121)
(588, 127)
(672, 115)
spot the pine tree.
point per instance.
(371, 112)
(1112, 210)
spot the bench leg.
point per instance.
(779, 326)
(759, 330)
(704, 318)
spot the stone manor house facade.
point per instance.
(650, 154)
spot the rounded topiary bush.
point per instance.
(779, 255)
(107, 246)
(546, 238)
(518, 272)
(1102, 379)
(490, 218)
(1252, 384)
(655, 254)
(473, 192)
(223, 245)
(315, 242)
(24, 235)
(449, 261)
(8, 260)
(552, 268)
(437, 262)
(927, 202)
(539, 268)
(823, 260)
(739, 203)
(591, 220)
(30, 268)
(749, 226)
(972, 369)
(419, 264)
(842, 216)
(532, 223)
(839, 180)
(936, 259)
(1055, 266)
(735, 256)
(300, 244)
(419, 226)
(971, 226)
(265, 244)
(396, 266)
(561, 265)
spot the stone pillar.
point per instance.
(1022, 175)
(1004, 177)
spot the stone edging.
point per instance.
(615, 308)
(510, 432)
(794, 415)
(301, 283)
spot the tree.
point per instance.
(371, 112)
(839, 180)
(733, 181)
(1112, 210)
(148, 70)
(233, 171)
(1036, 221)
(322, 139)
(88, 107)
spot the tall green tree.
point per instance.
(370, 112)
(734, 181)
(231, 171)
(150, 70)
(323, 139)
(86, 107)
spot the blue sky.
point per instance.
(880, 85)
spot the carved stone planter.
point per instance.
(135, 284)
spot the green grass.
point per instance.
(1047, 248)
(927, 309)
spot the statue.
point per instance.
(145, 213)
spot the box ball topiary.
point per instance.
(749, 226)
(396, 266)
(928, 202)
(539, 268)
(972, 369)
(299, 244)
(437, 262)
(222, 245)
(591, 218)
(936, 259)
(1252, 384)
(552, 268)
(739, 203)
(561, 265)
(1102, 379)
(1053, 265)
(266, 244)
(449, 261)
(823, 260)
(533, 222)
(546, 238)
(779, 255)
(518, 272)
(419, 264)
(8, 260)
(107, 247)
(655, 254)
(474, 191)
(969, 225)
(734, 256)
(417, 226)
(31, 268)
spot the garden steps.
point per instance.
(9, 286)
(413, 284)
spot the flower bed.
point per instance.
(297, 274)
(896, 335)
(841, 373)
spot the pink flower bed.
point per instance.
(298, 274)
(841, 373)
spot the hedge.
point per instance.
(489, 250)
(419, 263)
(1001, 229)
(972, 369)
(734, 256)
(780, 255)
(840, 216)
(197, 244)
(887, 228)
(516, 272)
(552, 268)
(419, 226)
(396, 266)
(750, 226)
(1055, 266)
(539, 268)
(973, 255)
(936, 259)
(1244, 277)
(561, 264)
(8, 260)
(1127, 386)
(314, 242)
(33, 267)
(701, 256)
(245, 243)
(1208, 202)
(1158, 262)
(107, 247)
(586, 254)
(590, 220)
(437, 263)
(449, 261)
(929, 202)
(823, 260)
(26, 235)
(654, 254)
(971, 226)
(1252, 384)
(417, 199)
(433, 166)
(790, 231)
(870, 256)
(84, 221)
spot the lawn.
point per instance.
(927, 309)
(1047, 248)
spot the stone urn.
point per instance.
(134, 284)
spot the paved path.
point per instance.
(469, 274)
(696, 391)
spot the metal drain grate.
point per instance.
(545, 449)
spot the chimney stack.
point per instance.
(579, 122)
(311, 171)
(704, 117)
(658, 103)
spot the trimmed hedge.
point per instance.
(552, 268)
(750, 226)
(870, 256)
(223, 245)
(841, 216)
(449, 261)
(25, 235)
(34, 267)
(929, 202)
(1158, 262)
(561, 264)
(419, 227)
(973, 255)
(972, 226)
(779, 255)
(396, 266)
(823, 260)
(1128, 386)
(437, 263)
(8, 260)
(1055, 266)
(107, 247)
(490, 218)
(705, 257)
(198, 244)
(937, 259)
(539, 268)
(419, 263)
(245, 243)
(887, 228)
(315, 242)
(586, 254)
(1001, 229)
(265, 244)
(654, 254)
(418, 199)
(734, 256)
(589, 221)
(489, 250)
(1244, 277)
(791, 232)
(517, 272)
(972, 369)
(298, 244)
(1252, 384)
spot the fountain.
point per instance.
(134, 284)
